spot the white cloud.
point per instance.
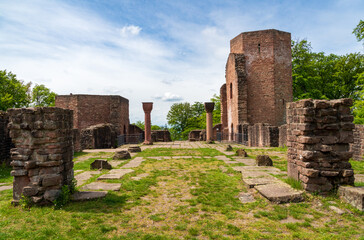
(130, 30)
(168, 97)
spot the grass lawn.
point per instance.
(181, 198)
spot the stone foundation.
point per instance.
(42, 160)
(318, 137)
(161, 136)
(99, 136)
(5, 140)
(357, 147)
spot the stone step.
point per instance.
(353, 196)
(115, 174)
(102, 186)
(280, 192)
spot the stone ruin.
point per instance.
(99, 136)
(357, 147)
(258, 86)
(161, 136)
(318, 136)
(42, 160)
(5, 140)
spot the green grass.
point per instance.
(5, 174)
(358, 166)
(181, 199)
(294, 183)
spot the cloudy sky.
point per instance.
(162, 51)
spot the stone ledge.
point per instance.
(353, 196)
(89, 195)
(280, 193)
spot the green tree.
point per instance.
(359, 31)
(178, 118)
(43, 96)
(320, 76)
(217, 109)
(14, 93)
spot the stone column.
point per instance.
(147, 107)
(42, 160)
(209, 107)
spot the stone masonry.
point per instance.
(357, 147)
(98, 137)
(42, 160)
(5, 140)
(258, 80)
(89, 110)
(318, 136)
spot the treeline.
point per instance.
(16, 93)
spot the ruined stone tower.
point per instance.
(258, 80)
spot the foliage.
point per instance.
(65, 195)
(184, 117)
(14, 93)
(320, 76)
(43, 96)
(359, 31)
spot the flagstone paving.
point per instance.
(83, 177)
(102, 186)
(134, 163)
(115, 174)
(6, 187)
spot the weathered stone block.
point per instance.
(264, 160)
(352, 195)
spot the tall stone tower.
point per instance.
(258, 80)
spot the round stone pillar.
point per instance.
(147, 107)
(209, 107)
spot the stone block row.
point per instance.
(318, 136)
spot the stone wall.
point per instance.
(99, 136)
(263, 135)
(90, 110)
(5, 140)
(318, 136)
(357, 147)
(161, 136)
(195, 135)
(42, 160)
(282, 135)
(76, 136)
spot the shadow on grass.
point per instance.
(113, 202)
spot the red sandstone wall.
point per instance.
(357, 147)
(91, 110)
(268, 74)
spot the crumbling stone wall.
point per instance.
(194, 135)
(42, 160)
(357, 147)
(263, 135)
(161, 136)
(282, 135)
(76, 136)
(99, 136)
(318, 136)
(90, 110)
(5, 140)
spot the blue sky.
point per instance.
(160, 51)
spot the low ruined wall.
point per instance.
(282, 135)
(194, 135)
(161, 136)
(76, 136)
(263, 135)
(357, 147)
(5, 140)
(99, 136)
(318, 137)
(42, 160)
